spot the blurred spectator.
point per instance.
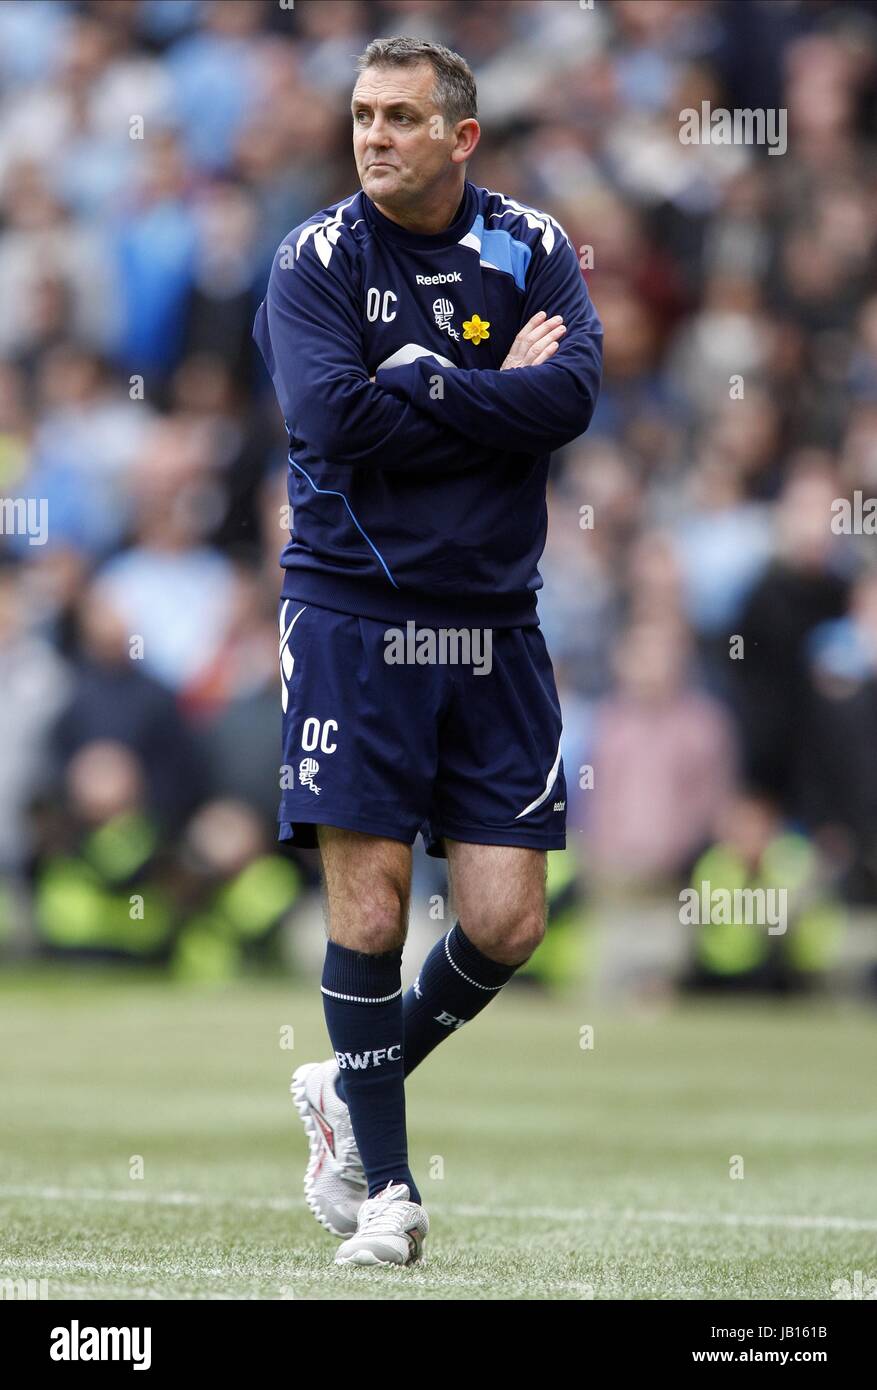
(89, 437)
(663, 761)
(174, 592)
(101, 878)
(112, 697)
(791, 925)
(234, 891)
(155, 244)
(804, 586)
(215, 77)
(34, 686)
(838, 775)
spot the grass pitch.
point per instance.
(548, 1171)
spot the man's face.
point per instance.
(401, 144)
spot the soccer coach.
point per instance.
(430, 342)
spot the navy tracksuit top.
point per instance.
(421, 495)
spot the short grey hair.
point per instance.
(454, 86)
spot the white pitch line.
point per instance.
(419, 1277)
(120, 1292)
(680, 1218)
(560, 1214)
(163, 1199)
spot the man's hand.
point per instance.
(536, 342)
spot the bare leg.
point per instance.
(499, 896)
(368, 889)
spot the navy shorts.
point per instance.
(467, 748)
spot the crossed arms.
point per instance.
(309, 330)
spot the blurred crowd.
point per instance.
(714, 634)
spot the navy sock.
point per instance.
(455, 983)
(362, 1001)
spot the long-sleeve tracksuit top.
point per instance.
(421, 495)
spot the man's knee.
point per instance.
(376, 925)
(512, 939)
(367, 883)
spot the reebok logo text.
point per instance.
(453, 278)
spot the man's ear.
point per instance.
(468, 136)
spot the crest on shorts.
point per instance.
(307, 771)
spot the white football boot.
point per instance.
(390, 1230)
(335, 1182)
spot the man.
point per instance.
(430, 343)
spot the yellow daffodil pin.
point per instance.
(475, 329)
